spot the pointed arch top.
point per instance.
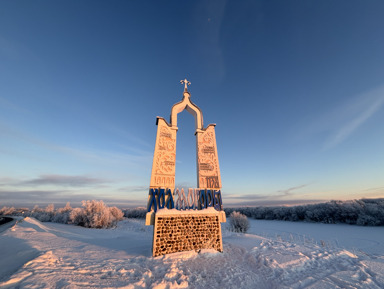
(192, 108)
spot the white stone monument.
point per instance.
(197, 226)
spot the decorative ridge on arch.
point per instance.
(192, 108)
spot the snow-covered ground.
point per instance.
(274, 254)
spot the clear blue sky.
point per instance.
(296, 89)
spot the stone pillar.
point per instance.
(164, 157)
(208, 170)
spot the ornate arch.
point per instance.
(192, 108)
(164, 159)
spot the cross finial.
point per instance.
(186, 83)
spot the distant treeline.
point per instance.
(364, 212)
(137, 213)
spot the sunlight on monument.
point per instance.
(185, 220)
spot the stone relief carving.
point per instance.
(208, 163)
(163, 168)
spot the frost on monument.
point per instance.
(185, 220)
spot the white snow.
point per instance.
(273, 254)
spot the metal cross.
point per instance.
(186, 83)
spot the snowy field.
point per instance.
(274, 254)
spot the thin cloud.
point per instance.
(28, 198)
(375, 189)
(133, 189)
(281, 194)
(288, 192)
(264, 203)
(6, 180)
(136, 150)
(246, 196)
(105, 157)
(27, 195)
(340, 123)
(84, 154)
(125, 134)
(359, 112)
(55, 180)
(62, 180)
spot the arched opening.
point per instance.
(186, 171)
(187, 104)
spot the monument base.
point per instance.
(177, 231)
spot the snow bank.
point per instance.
(53, 255)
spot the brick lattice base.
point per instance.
(186, 231)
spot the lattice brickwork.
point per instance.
(184, 232)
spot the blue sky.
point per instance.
(296, 89)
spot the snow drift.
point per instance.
(50, 255)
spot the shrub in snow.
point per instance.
(116, 213)
(78, 217)
(7, 211)
(50, 212)
(238, 222)
(43, 215)
(95, 214)
(62, 214)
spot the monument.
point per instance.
(185, 222)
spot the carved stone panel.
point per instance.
(208, 169)
(164, 159)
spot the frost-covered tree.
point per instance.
(117, 214)
(238, 222)
(78, 217)
(41, 214)
(7, 211)
(95, 214)
(62, 215)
